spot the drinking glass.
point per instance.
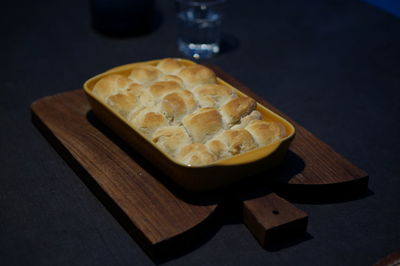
(199, 27)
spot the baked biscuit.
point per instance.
(144, 74)
(133, 87)
(170, 66)
(146, 99)
(218, 148)
(172, 78)
(195, 75)
(264, 132)
(244, 121)
(109, 85)
(235, 109)
(237, 140)
(196, 154)
(213, 95)
(186, 113)
(203, 124)
(171, 138)
(177, 104)
(123, 103)
(162, 88)
(148, 120)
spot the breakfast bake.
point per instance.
(186, 112)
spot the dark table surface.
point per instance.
(333, 66)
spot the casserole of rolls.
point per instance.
(185, 112)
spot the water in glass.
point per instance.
(199, 31)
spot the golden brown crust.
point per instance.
(196, 155)
(236, 108)
(170, 66)
(237, 140)
(197, 75)
(123, 103)
(213, 95)
(133, 87)
(148, 120)
(178, 104)
(161, 88)
(264, 132)
(172, 78)
(244, 121)
(186, 113)
(218, 148)
(203, 124)
(146, 99)
(144, 74)
(171, 138)
(110, 85)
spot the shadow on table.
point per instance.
(228, 199)
(187, 196)
(249, 188)
(314, 193)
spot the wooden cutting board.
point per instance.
(311, 172)
(157, 213)
(312, 169)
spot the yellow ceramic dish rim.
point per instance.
(244, 158)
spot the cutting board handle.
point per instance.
(273, 220)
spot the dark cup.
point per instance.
(123, 17)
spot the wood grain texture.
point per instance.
(312, 171)
(273, 220)
(393, 259)
(321, 165)
(156, 213)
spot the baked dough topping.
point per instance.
(186, 113)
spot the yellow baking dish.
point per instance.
(194, 178)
